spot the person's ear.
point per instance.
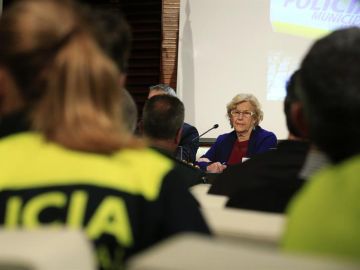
(297, 115)
(140, 126)
(253, 121)
(10, 98)
(230, 121)
(3, 88)
(2, 82)
(178, 136)
(122, 79)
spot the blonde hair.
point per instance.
(70, 87)
(240, 98)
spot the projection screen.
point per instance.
(248, 46)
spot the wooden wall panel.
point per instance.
(169, 46)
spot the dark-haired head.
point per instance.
(113, 33)
(163, 117)
(330, 91)
(290, 98)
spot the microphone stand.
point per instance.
(181, 149)
(198, 137)
(194, 140)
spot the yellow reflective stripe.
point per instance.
(28, 161)
(12, 212)
(111, 217)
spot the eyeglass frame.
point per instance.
(245, 114)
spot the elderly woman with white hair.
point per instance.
(247, 138)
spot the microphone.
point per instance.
(180, 149)
(198, 137)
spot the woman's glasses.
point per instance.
(245, 114)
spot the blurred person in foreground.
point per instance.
(113, 34)
(163, 118)
(129, 111)
(67, 159)
(189, 140)
(324, 217)
(246, 140)
(268, 181)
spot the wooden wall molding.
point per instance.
(170, 38)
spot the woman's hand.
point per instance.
(216, 167)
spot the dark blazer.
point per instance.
(260, 141)
(189, 143)
(265, 182)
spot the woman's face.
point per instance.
(242, 118)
